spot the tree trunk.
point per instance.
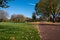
(53, 17)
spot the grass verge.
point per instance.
(18, 31)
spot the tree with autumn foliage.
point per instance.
(17, 18)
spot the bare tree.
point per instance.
(3, 15)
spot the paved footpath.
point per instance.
(49, 32)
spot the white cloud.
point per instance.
(32, 4)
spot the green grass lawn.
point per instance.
(18, 31)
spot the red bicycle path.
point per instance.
(49, 32)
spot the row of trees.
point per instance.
(14, 18)
(48, 9)
(43, 18)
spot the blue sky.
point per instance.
(25, 7)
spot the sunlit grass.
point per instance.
(18, 31)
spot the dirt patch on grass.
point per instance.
(44, 23)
